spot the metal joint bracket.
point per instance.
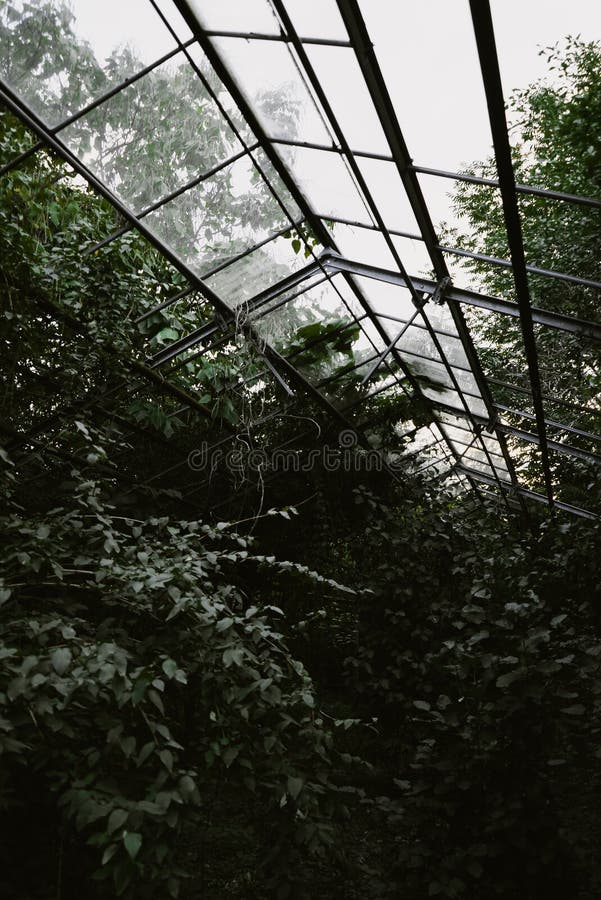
(492, 422)
(440, 291)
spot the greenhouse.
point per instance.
(300, 449)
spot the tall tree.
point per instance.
(554, 124)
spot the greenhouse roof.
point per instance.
(310, 119)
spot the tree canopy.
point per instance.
(551, 126)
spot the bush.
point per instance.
(137, 677)
(482, 665)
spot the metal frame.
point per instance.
(322, 268)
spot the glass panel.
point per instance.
(484, 467)
(388, 398)
(457, 421)
(459, 436)
(474, 453)
(219, 218)
(259, 270)
(226, 101)
(424, 438)
(333, 355)
(519, 50)
(59, 58)
(317, 18)
(453, 350)
(429, 373)
(466, 381)
(341, 78)
(452, 398)
(371, 337)
(484, 204)
(326, 183)
(499, 343)
(440, 317)
(347, 387)
(347, 294)
(277, 185)
(444, 119)
(306, 318)
(386, 188)
(387, 299)
(483, 277)
(154, 136)
(491, 444)
(363, 245)
(175, 19)
(417, 340)
(414, 256)
(267, 75)
(476, 406)
(236, 15)
(297, 290)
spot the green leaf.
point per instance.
(229, 755)
(169, 668)
(576, 710)
(61, 659)
(145, 752)
(133, 842)
(295, 786)
(186, 785)
(233, 655)
(509, 677)
(109, 853)
(117, 819)
(166, 757)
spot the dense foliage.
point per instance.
(552, 123)
(180, 696)
(137, 678)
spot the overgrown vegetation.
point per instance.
(187, 708)
(551, 126)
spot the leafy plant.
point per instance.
(137, 675)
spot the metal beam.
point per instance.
(281, 38)
(531, 495)
(520, 188)
(550, 423)
(491, 76)
(531, 270)
(545, 193)
(230, 83)
(38, 127)
(562, 322)
(557, 446)
(368, 62)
